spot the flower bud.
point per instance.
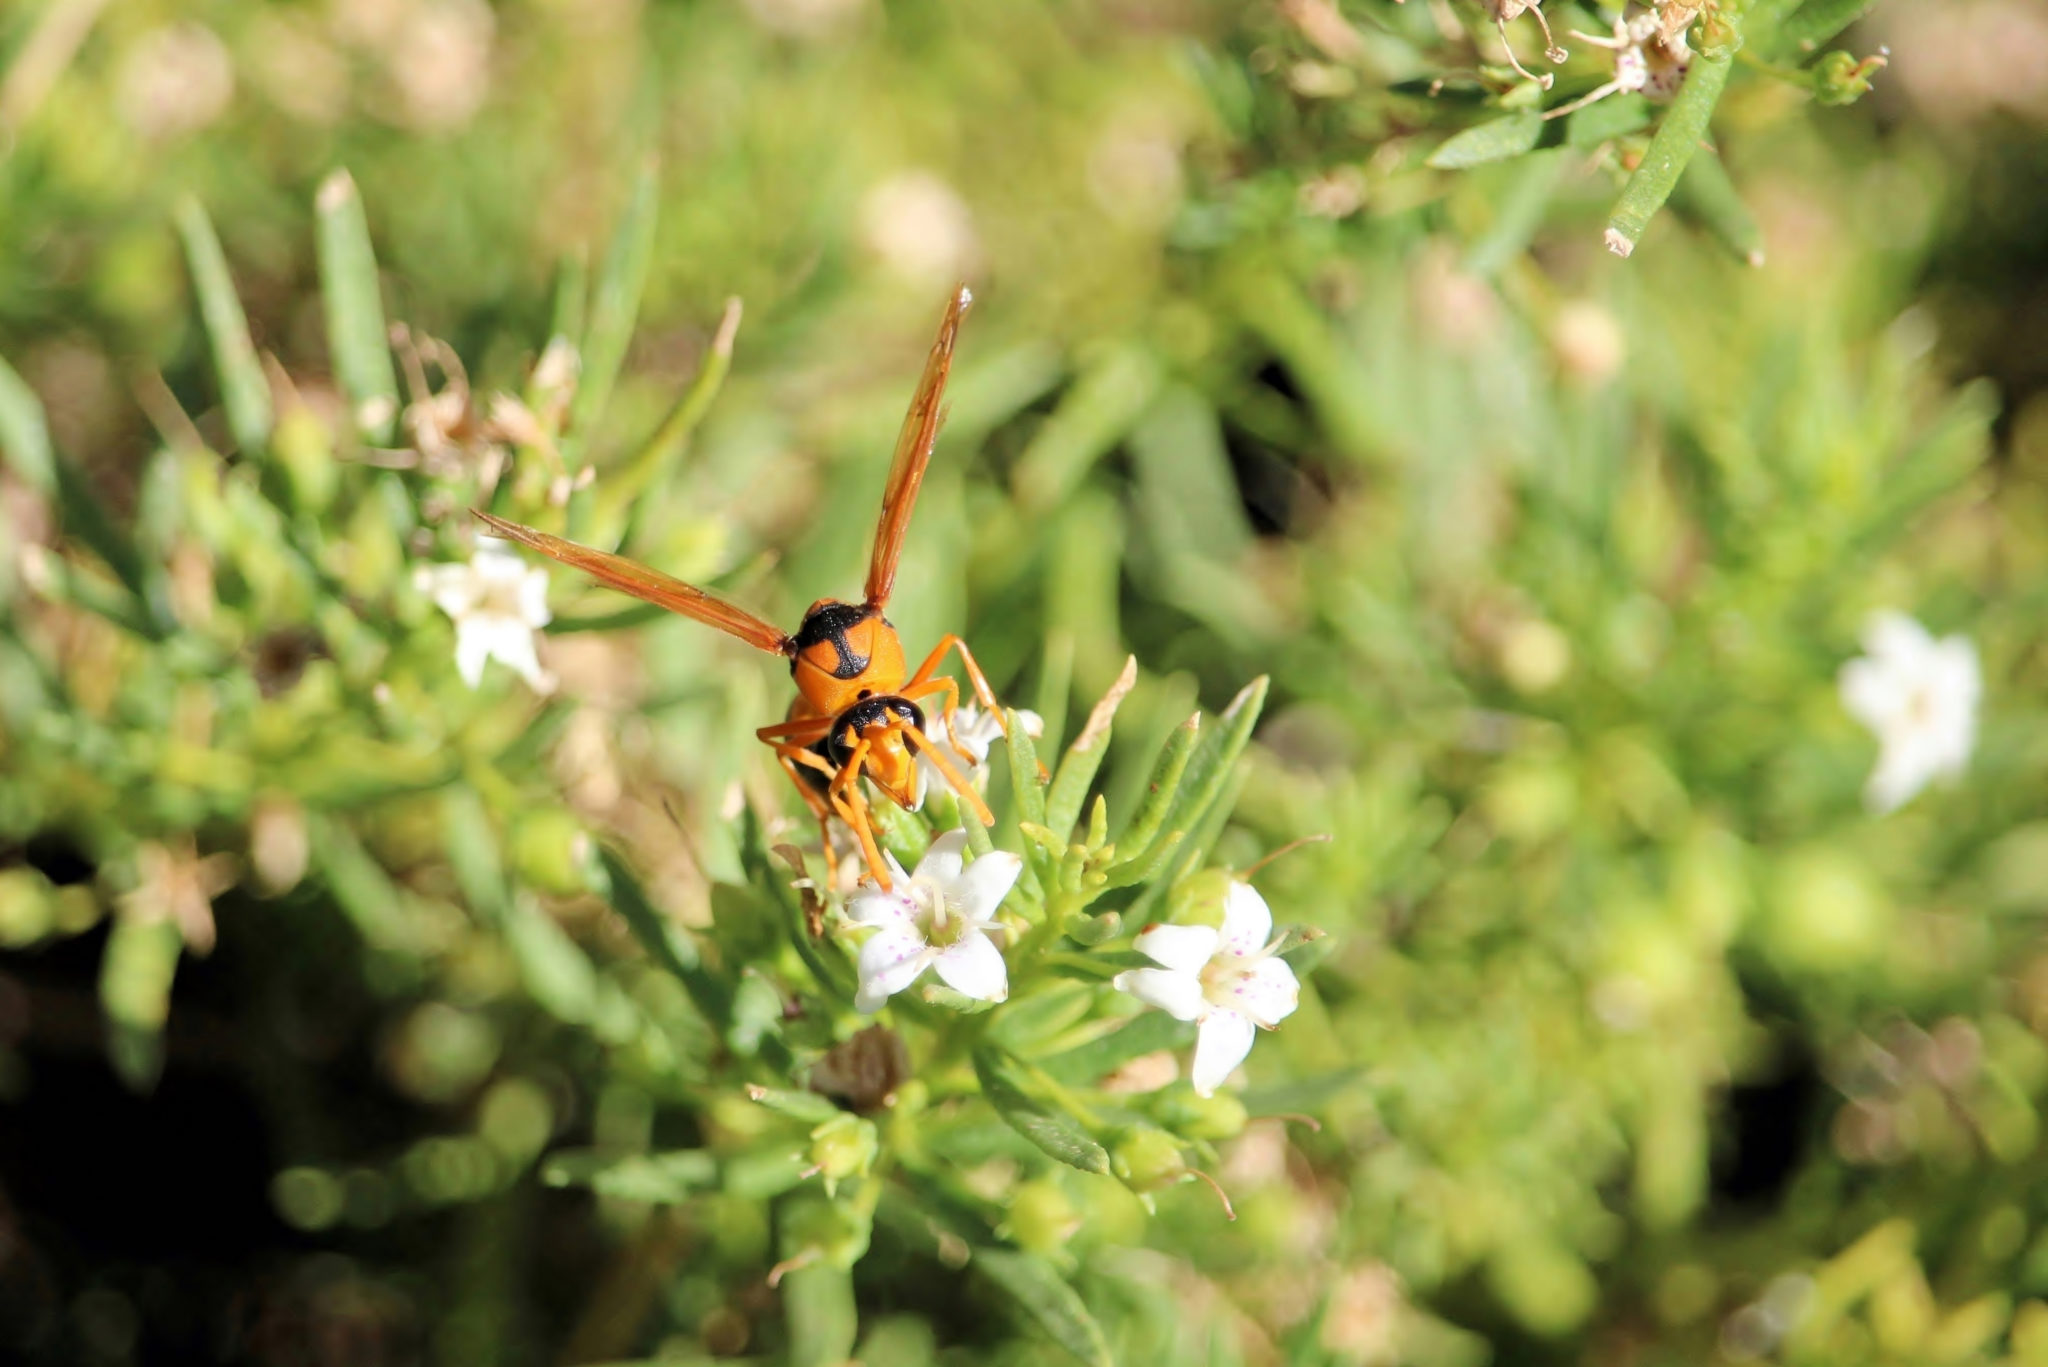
(1041, 1218)
(1839, 78)
(550, 849)
(1221, 1116)
(843, 1147)
(306, 451)
(1719, 40)
(1197, 900)
(1147, 1159)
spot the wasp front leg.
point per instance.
(955, 780)
(845, 796)
(928, 680)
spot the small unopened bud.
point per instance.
(1839, 78)
(842, 1147)
(1042, 1219)
(1147, 1159)
(305, 449)
(1197, 900)
(1719, 39)
(1217, 1117)
(550, 849)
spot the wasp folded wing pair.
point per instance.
(856, 712)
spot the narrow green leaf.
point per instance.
(473, 853)
(660, 1178)
(1815, 23)
(1496, 140)
(1709, 198)
(613, 309)
(1084, 757)
(1092, 417)
(244, 391)
(824, 1320)
(1136, 839)
(669, 944)
(1677, 138)
(1211, 768)
(1046, 1301)
(554, 968)
(1949, 451)
(1057, 1135)
(136, 970)
(25, 433)
(1303, 1097)
(1605, 120)
(1025, 784)
(362, 889)
(1145, 1033)
(809, 1107)
(358, 342)
(650, 467)
(1521, 195)
(1025, 1021)
(1149, 864)
(826, 961)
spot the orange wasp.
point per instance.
(855, 714)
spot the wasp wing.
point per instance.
(649, 585)
(913, 453)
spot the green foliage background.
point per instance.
(1638, 1040)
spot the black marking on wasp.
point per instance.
(831, 622)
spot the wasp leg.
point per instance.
(950, 704)
(846, 799)
(974, 675)
(791, 757)
(954, 778)
(790, 740)
(926, 675)
(802, 731)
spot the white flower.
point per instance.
(498, 602)
(978, 731)
(940, 917)
(1227, 980)
(1919, 696)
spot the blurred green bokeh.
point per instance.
(1640, 1039)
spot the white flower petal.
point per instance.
(889, 962)
(473, 640)
(1247, 920)
(1267, 992)
(943, 861)
(1872, 694)
(1901, 772)
(973, 967)
(1221, 1044)
(454, 589)
(868, 905)
(977, 893)
(1184, 949)
(1895, 638)
(513, 644)
(1179, 995)
(1957, 678)
(533, 598)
